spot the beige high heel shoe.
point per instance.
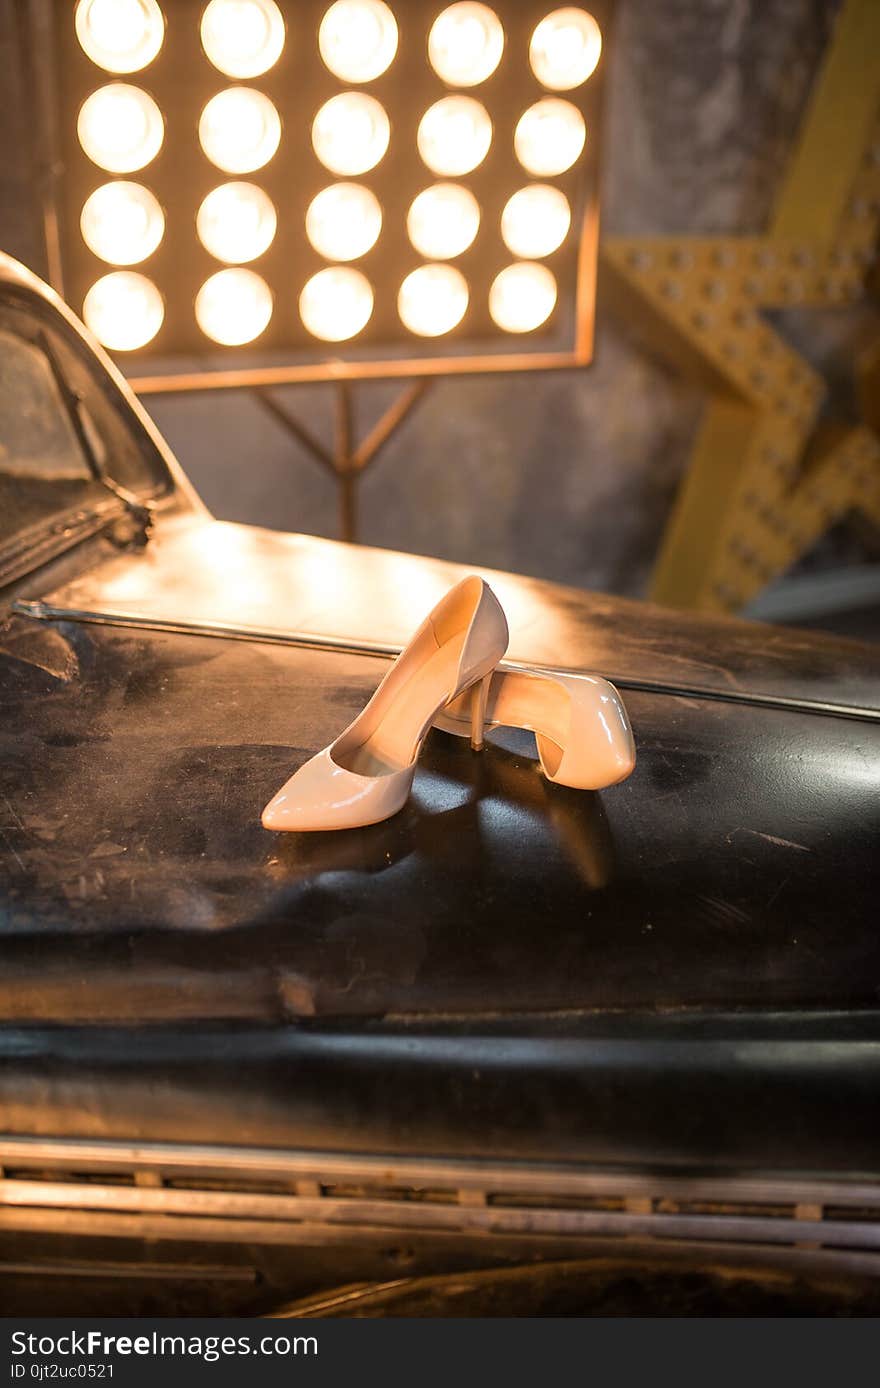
(580, 723)
(366, 774)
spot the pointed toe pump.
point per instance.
(366, 774)
(580, 723)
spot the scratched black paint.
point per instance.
(683, 968)
(736, 867)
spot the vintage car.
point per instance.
(519, 1049)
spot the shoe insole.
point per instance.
(408, 714)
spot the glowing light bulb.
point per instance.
(233, 307)
(350, 133)
(565, 49)
(243, 38)
(336, 303)
(549, 137)
(433, 300)
(535, 221)
(443, 221)
(358, 39)
(465, 44)
(119, 35)
(239, 130)
(522, 297)
(124, 310)
(236, 222)
(122, 223)
(120, 128)
(454, 135)
(343, 221)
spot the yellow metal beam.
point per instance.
(836, 129)
(761, 488)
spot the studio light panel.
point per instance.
(304, 176)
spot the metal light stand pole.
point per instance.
(347, 461)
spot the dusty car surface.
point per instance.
(588, 1051)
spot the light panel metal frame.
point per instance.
(567, 344)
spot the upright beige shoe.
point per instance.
(366, 774)
(579, 721)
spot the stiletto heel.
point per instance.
(579, 721)
(366, 774)
(479, 699)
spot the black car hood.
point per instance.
(680, 968)
(735, 868)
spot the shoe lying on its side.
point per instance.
(579, 721)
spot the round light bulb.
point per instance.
(119, 35)
(350, 133)
(454, 135)
(535, 221)
(124, 310)
(433, 300)
(358, 39)
(236, 222)
(233, 307)
(565, 49)
(522, 297)
(549, 137)
(122, 222)
(243, 38)
(343, 221)
(336, 303)
(239, 130)
(120, 128)
(465, 44)
(443, 221)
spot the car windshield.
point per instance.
(63, 428)
(44, 468)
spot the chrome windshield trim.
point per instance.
(45, 611)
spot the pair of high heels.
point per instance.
(448, 677)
